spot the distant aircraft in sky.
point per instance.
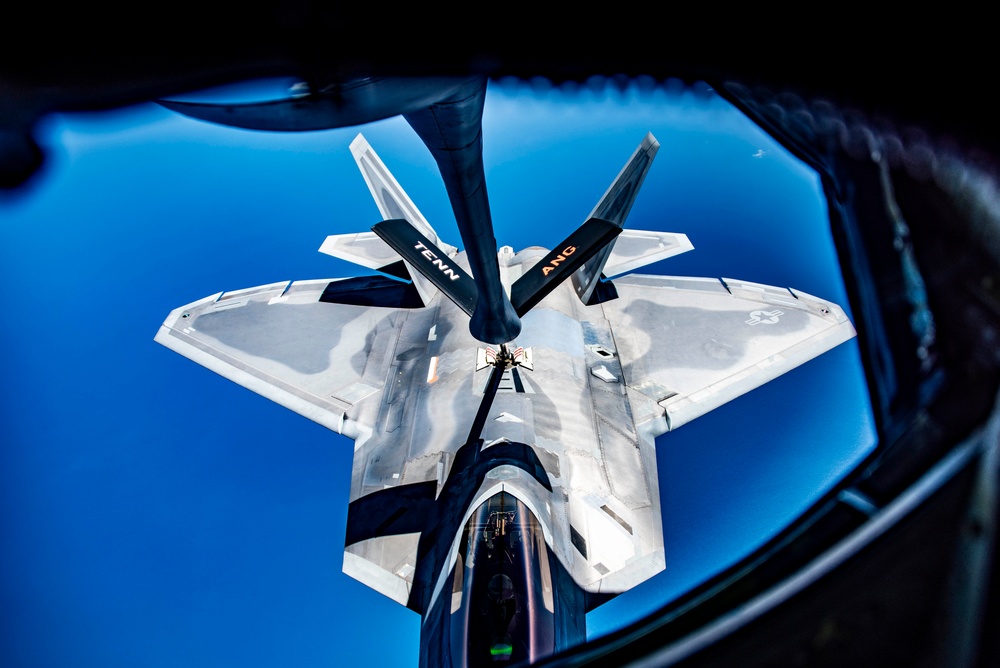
(503, 487)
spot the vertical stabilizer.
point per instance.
(614, 208)
(394, 203)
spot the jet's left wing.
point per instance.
(304, 345)
(692, 344)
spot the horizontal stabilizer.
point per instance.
(364, 248)
(588, 240)
(614, 207)
(635, 249)
(422, 255)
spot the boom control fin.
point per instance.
(583, 244)
(431, 262)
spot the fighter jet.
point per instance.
(503, 490)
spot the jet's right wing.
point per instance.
(297, 344)
(693, 344)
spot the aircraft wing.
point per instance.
(294, 344)
(692, 344)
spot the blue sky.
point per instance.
(156, 514)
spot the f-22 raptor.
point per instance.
(503, 490)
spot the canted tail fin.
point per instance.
(614, 207)
(393, 203)
(389, 196)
